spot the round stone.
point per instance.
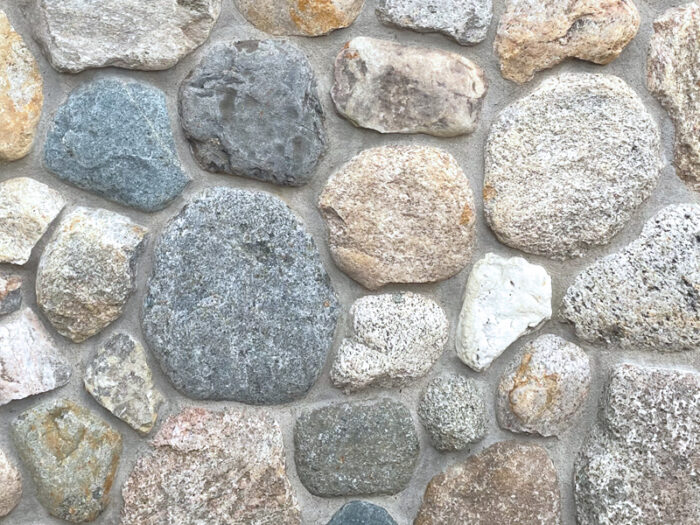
(361, 513)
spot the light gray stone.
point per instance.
(10, 293)
(10, 485)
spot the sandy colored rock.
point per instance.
(10, 293)
(10, 485)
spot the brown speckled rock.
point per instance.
(10, 485)
(10, 293)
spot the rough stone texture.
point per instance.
(400, 214)
(467, 21)
(86, 273)
(10, 485)
(356, 449)
(640, 463)
(648, 295)
(509, 482)
(120, 380)
(113, 137)
(81, 34)
(537, 35)
(453, 413)
(213, 468)
(27, 208)
(361, 513)
(395, 339)
(674, 78)
(10, 293)
(30, 362)
(567, 165)
(239, 306)
(544, 387)
(393, 88)
(251, 108)
(72, 456)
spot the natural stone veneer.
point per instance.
(10, 485)
(361, 513)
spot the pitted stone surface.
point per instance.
(361, 513)
(10, 485)
(10, 293)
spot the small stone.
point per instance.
(86, 273)
(113, 138)
(639, 464)
(213, 468)
(356, 449)
(30, 362)
(120, 380)
(395, 339)
(27, 208)
(544, 388)
(452, 410)
(567, 165)
(361, 513)
(10, 485)
(10, 293)
(509, 482)
(400, 214)
(81, 34)
(533, 36)
(72, 456)
(251, 109)
(393, 88)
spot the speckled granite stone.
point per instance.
(361, 513)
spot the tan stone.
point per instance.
(10, 485)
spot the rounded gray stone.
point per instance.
(361, 513)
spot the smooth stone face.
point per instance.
(568, 165)
(395, 339)
(86, 273)
(400, 214)
(361, 513)
(10, 485)
(646, 296)
(239, 306)
(394, 88)
(251, 109)
(72, 456)
(214, 468)
(10, 293)
(509, 482)
(533, 36)
(113, 138)
(639, 464)
(544, 387)
(356, 449)
(132, 34)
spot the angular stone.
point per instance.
(533, 36)
(30, 362)
(393, 88)
(10, 485)
(132, 34)
(120, 380)
(509, 482)
(251, 109)
(10, 293)
(113, 138)
(640, 462)
(72, 456)
(567, 165)
(27, 208)
(395, 339)
(214, 468)
(400, 214)
(544, 387)
(86, 273)
(356, 449)
(648, 295)
(361, 513)
(239, 306)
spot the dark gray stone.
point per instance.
(361, 513)
(10, 293)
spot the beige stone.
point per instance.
(10, 485)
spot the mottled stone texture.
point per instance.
(361, 513)
(213, 468)
(10, 293)
(10, 485)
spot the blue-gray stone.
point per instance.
(113, 138)
(361, 513)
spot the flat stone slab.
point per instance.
(10, 293)
(361, 513)
(10, 485)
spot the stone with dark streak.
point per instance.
(10, 293)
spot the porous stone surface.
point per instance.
(10, 293)
(10, 485)
(212, 467)
(395, 339)
(361, 513)
(400, 214)
(86, 273)
(72, 457)
(239, 306)
(639, 464)
(81, 34)
(544, 387)
(453, 413)
(392, 88)
(251, 108)
(356, 449)
(567, 165)
(113, 137)
(119, 378)
(646, 296)
(509, 482)
(537, 35)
